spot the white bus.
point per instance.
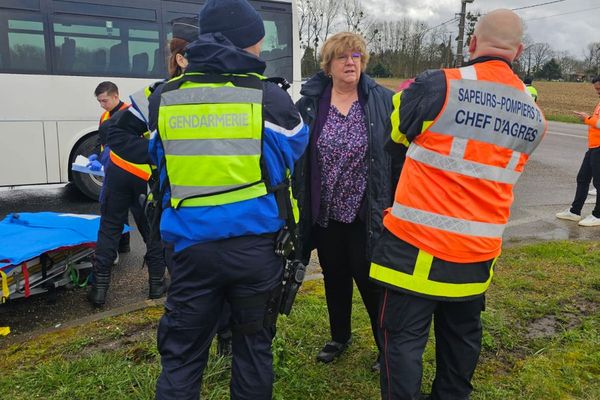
(53, 53)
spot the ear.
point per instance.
(519, 51)
(472, 44)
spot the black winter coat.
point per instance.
(382, 172)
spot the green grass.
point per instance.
(572, 119)
(541, 341)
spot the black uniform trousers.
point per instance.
(121, 193)
(405, 322)
(588, 172)
(342, 254)
(203, 277)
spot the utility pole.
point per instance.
(461, 31)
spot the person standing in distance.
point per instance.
(444, 232)
(532, 90)
(589, 172)
(224, 140)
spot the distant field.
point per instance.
(557, 99)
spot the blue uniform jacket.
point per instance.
(285, 137)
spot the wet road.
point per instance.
(546, 187)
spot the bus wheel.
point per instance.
(88, 184)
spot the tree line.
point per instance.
(404, 48)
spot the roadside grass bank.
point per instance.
(541, 341)
(556, 99)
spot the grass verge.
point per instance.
(541, 341)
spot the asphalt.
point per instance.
(546, 187)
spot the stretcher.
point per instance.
(43, 251)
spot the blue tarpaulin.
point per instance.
(24, 236)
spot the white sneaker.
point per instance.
(590, 220)
(593, 191)
(567, 214)
(116, 262)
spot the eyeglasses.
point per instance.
(355, 57)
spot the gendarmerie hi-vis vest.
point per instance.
(593, 123)
(142, 171)
(211, 129)
(454, 195)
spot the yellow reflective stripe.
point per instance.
(251, 192)
(423, 264)
(4, 330)
(419, 284)
(426, 125)
(397, 136)
(5, 292)
(213, 170)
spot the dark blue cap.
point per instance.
(237, 20)
(185, 28)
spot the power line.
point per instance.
(443, 23)
(538, 5)
(567, 13)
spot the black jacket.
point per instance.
(382, 176)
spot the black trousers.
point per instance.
(342, 253)
(203, 277)
(405, 322)
(588, 172)
(121, 193)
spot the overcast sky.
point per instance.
(570, 32)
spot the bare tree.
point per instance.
(592, 58)
(541, 53)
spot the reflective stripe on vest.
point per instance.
(142, 171)
(212, 138)
(455, 191)
(140, 102)
(419, 282)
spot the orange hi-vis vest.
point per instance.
(142, 171)
(106, 114)
(454, 194)
(593, 123)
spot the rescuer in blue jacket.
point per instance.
(223, 145)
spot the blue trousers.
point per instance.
(203, 276)
(405, 321)
(120, 194)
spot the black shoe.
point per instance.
(331, 350)
(97, 294)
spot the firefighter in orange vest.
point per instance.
(107, 94)
(469, 132)
(124, 183)
(589, 170)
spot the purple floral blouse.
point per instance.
(342, 159)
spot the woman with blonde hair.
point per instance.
(344, 180)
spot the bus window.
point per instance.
(22, 44)
(110, 47)
(277, 46)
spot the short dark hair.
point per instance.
(528, 80)
(106, 86)
(596, 79)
